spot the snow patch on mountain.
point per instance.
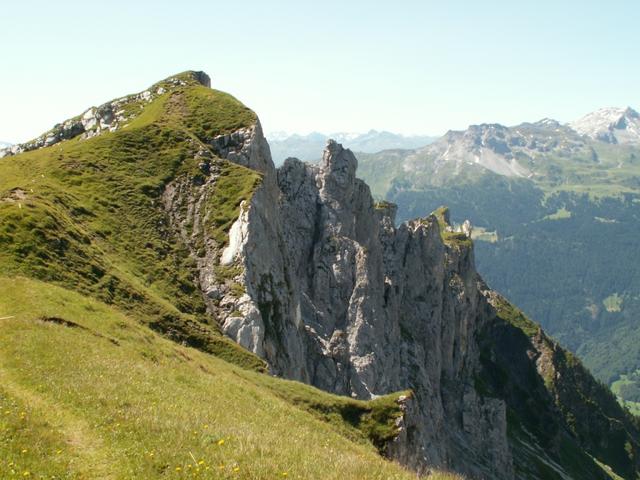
(611, 125)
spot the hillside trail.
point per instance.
(90, 460)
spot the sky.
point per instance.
(404, 66)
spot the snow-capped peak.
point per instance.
(611, 125)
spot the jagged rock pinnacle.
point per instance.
(339, 163)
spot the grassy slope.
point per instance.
(87, 263)
(89, 392)
(627, 386)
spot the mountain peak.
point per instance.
(611, 125)
(189, 77)
(340, 161)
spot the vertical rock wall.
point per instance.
(339, 297)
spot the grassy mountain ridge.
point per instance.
(91, 274)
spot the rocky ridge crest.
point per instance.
(107, 117)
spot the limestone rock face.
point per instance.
(331, 292)
(339, 297)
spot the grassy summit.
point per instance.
(88, 263)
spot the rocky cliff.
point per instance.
(181, 221)
(319, 281)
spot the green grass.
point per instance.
(101, 396)
(512, 315)
(633, 407)
(607, 469)
(235, 185)
(627, 390)
(458, 239)
(210, 113)
(91, 217)
(560, 214)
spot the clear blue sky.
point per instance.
(405, 66)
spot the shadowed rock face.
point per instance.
(338, 296)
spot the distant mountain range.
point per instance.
(309, 147)
(5, 144)
(556, 210)
(528, 149)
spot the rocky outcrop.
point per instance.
(335, 294)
